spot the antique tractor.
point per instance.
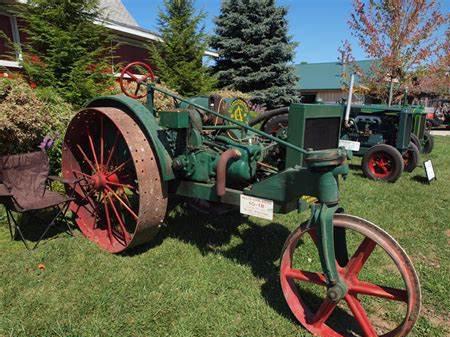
(129, 160)
(420, 135)
(386, 140)
(382, 135)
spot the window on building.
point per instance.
(8, 28)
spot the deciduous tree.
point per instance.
(399, 34)
(436, 77)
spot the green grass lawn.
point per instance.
(215, 276)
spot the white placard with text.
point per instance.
(350, 145)
(261, 208)
(429, 170)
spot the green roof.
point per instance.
(324, 76)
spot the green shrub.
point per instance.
(27, 116)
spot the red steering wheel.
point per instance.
(138, 72)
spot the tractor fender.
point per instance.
(148, 123)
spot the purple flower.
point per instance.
(46, 143)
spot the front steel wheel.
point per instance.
(120, 199)
(383, 297)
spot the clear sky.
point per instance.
(318, 26)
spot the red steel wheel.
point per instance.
(121, 199)
(369, 308)
(383, 162)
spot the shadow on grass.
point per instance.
(420, 179)
(259, 248)
(33, 225)
(355, 167)
(356, 170)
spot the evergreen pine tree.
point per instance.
(179, 57)
(65, 49)
(256, 52)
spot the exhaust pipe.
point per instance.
(349, 100)
(222, 169)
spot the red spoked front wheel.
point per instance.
(383, 297)
(120, 199)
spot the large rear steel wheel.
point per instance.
(383, 297)
(120, 200)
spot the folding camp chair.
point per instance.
(24, 189)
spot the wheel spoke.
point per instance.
(370, 289)
(138, 87)
(112, 150)
(108, 220)
(102, 141)
(121, 185)
(83, 174)
(360, 257)
(129, 73)
(307, 276)
(118, 168)
(87, 197)
(86, 158)
(87, 194)
(128, 208)
(91, 143)
(126, 235)
(361, 316)
(324, 312)
(126, 197)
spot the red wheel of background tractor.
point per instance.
(368, 309)
(383, 162)
(120, 201)
(139, 73)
